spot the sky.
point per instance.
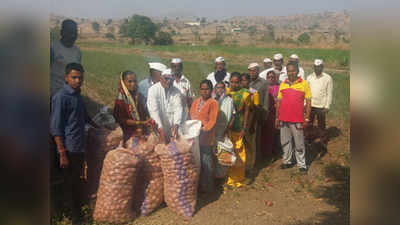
(211, 9)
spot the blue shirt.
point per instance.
(68, 117)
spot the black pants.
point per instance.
(73, 186)
(321, 117)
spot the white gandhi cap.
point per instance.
(294, 56)
(318, 62)
(278, 56)
(166, 72)
(252, 65)
(157, 66)
(176, 60)
(219, 59)
(267, 60)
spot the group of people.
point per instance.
(248, 108)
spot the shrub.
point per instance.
(163, 38)
(110, 36)
(96, 26)
(304, 38)
(216, 41)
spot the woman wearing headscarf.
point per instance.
(129, 108)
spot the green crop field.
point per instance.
(103, 70)
(333, 57)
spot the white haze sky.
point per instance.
(212, 9)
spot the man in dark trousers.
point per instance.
(67, 125)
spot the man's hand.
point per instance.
(277, 124)
(162, 136)
(252, 129)
(64, 163)
(242, 133)
(174, 131)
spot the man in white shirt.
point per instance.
(321, 86)
(63, 52)
(165, 106)
(183, 84)
(295, 59)
(278, 65)
(156, 69)
(220, 73)
(267, 67)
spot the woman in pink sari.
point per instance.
(269, 131)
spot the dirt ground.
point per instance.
(320, 197)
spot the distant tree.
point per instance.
(345, 40)
(96, 26)
(215, 21)
(338, 36)
(109, 36)
(252, 30)
(163, 38)
(314, 26)
(109, 21)
(111, 29)
(271, 32)
(203, 20)
(197, 19)
(55, 33)
(197, 36)
(165, 21)
(304, 38)
(216, 41)
(140, 28)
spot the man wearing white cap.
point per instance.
(165, 106)
(321, 86)
(267, 67)
(155, 73)
(261, 113)
(293, 58)
(278, 64)
(183, 84)
(220, 73)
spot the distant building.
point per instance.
(236, 29)
(193, 23)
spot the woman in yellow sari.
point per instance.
(237, 130)
(250, 136)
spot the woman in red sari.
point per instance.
(269, 131)
(129, 108)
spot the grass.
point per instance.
(337, 57)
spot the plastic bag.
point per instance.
(190, 130)
(225, 152)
